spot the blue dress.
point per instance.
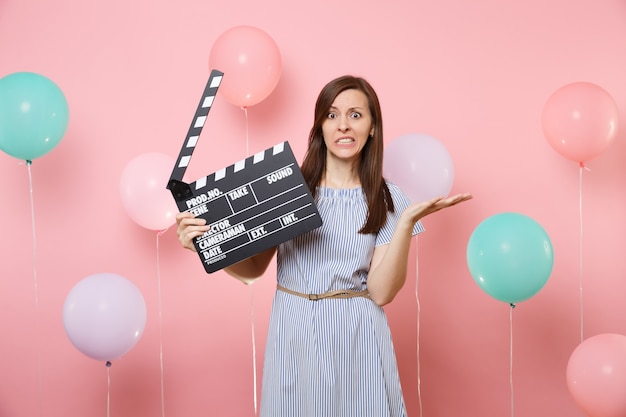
(332, 357)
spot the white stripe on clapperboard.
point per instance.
(221, 174)
(192, 141)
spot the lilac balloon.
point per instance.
(420, 165)
(104, 316)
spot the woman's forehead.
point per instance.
(351, 98)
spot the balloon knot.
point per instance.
(512, 305)
(29, 162)
(109, 364)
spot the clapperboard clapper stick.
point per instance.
(252, 205)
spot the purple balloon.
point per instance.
(104, 316)
(420, 165)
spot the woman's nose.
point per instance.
(344, 124)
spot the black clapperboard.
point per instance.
(251, 206)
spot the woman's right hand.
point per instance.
(189, 227)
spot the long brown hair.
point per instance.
(376, 191)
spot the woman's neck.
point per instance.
(340, 176)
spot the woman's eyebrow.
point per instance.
(349, 109)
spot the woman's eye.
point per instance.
(355, 115)
(332, 115)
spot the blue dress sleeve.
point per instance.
(400, 203)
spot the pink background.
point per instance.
(475, 75)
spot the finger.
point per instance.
(188, 228)
(192, 221)
(459, 197)
(183, 215)
(452, 201)
(462, 197)
(190, 235)
(425, 205)
(187, 236)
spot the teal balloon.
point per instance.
(33, 115)
(510, 257)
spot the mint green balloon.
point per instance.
(33, 115)
(510, 257)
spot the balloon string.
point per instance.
(160, 322)
(511, 359)
(108, 365)
(36, 285)
(254, 376)
(580, 249)
(245, 112)
(253, 347)
(417, 299)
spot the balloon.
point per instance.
(596, 375)
(104, 316)
(251, 62)
(580, 121)
(33, 115)
(143, 191)
(510, 257)
(420, 165)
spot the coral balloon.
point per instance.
(143, 191)
(510, 257)
(251, 63)
(580, 121)
(104, 316)
(33, 115)
(420, 165)
(596, 375)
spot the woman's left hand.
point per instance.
(417, 211)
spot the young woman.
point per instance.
(329, 349)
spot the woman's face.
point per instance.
(347, 126)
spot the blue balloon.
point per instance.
(510, 257)
(33, 115)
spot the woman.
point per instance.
(329, 349)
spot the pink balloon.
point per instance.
(143, 191)
(104, 316)
(596, 375)
(580, 121)
(420, 165)
(251, 63)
